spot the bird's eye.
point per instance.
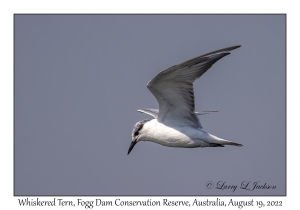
(136, 133)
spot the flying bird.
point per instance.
(176, 124)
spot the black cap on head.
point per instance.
(135, 134)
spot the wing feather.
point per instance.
(173, 88)
(154, 112)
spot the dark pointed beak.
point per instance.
(131, 146)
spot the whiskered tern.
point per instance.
(176, 124)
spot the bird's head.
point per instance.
(136, 134)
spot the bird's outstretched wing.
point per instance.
(173, 88)
(154, 112)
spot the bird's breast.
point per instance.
(171, 136)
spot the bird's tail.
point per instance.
(222, 142)
(226, 142)
(234, 143)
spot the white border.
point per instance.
(8, 8)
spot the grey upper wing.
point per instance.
(173, 88)
(152, 112)
(204, 112)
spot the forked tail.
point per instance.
(223, 142)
